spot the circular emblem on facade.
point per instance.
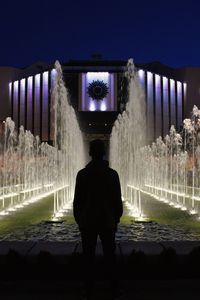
(97, 90)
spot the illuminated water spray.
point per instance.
(172, 166)
(31, 170)
(168, 170)
(127, 138)
(68, 141)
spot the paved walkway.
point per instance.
(134, 290)
(59, 289)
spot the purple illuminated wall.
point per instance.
(179, 102)
(15, 102)
(30, 99)
(150, 106)
(165, 103)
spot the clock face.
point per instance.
(97, 90)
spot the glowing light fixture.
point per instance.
(92, 106)
(103, 106)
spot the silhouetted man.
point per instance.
(97, 210)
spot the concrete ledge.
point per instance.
(148, 248)
(134, 260)
(22, 248)
(54, 248)
(99, 249)
(181, 247)
(125, 249)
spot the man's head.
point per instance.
(97, 149)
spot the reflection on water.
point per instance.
(46, 231)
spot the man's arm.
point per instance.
(77, 198)
(118, 199)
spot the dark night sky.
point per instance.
(165, 31)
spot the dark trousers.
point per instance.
(89, 241)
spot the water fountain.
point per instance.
(168, 170)
(31, 170)
(173, 167)
(67, 139)
(26, 165)
(127, 137)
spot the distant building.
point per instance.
(170, 95)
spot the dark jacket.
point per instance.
(97, 199)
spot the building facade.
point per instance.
(98, 92)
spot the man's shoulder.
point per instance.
(113, 172)
(108, 170)
(81, 172)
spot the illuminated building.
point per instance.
(25, 95)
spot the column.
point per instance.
(45, 102)
(179, 104)
(172, 102)
(29, 103)
(158, 106)
(165, 106)
(150, 107)
(22, 102)
(37, 105)
(15, 102)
